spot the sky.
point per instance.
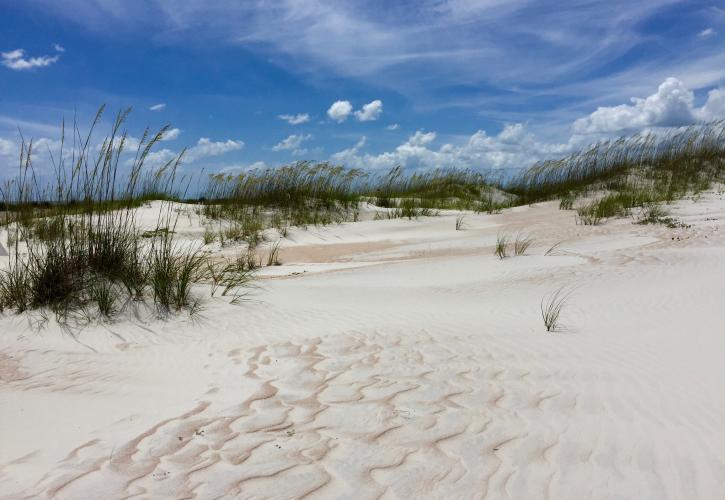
(490, 85)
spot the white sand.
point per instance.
(396, 359)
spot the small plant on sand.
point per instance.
(273, 257)
(653, 213)
(501, 248)
(522, 243)
(566, 202)
(588, 215)
(551, 307)
(248, 260)
(232, 277)
(104, 295)
(209, 235)
(460, 222)
(554, 248)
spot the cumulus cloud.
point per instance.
(158, 107)
(293, 143)
(16, 60)
(671, 106)
(295, 119)
(339, 111)
(513, 147)
(239, 168)
(370, 111)
(393, 126)
(707, 32)
(171, 134)
(158, 158)
(7, 148)
(205, 147)
(714, 108)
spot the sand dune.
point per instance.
(396, 359)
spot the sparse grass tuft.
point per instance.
(553, 248)
(655, 214)
(273, 257)
(460, 224)
(501, 248)
(588, 215)
(522, 243)
(551, 307)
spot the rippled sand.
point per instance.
(396, 359)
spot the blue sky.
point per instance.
(481, 84)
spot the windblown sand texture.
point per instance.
(396, 359)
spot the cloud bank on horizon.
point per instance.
(368, 84)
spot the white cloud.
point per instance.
(670, 106)
(8, 148)
(205, 147)
(158, 107)
(158, 158)
(339, 111)
(171, 134)
(370, 111)
(707, 32)
(293, 143)
(410, 48)
(513, 147)
(58, 48)
(238, 169)
(714, 108)
(16, 60)
(393, 126)
(295, 119)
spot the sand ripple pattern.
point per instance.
(404, 416)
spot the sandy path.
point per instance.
(425, 374)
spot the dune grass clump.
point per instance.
(501, 248)
(78, 246)
(273, 256)
(631, 171)
(444, 188)
(460, 222)
(588, 215)
(522, 243)
(567, 201)
(300, 194)
(656, 214)
(551, 307)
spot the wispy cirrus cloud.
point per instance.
(525, 46)
(295, 119)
